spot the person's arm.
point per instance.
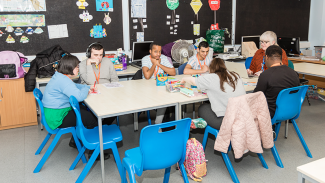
(112, 72)
(86, 73)
(72, 89)
(256, 62)
(261, 83)
(284, 58)
(189, 80)
(167, 67)
(189, 71)
(147, 73)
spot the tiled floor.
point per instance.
(18, 159)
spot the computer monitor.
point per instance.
(255, 39)
(140, 49)
(290, 45)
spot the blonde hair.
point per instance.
(269, 36)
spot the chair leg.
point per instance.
(301, 139)
(118, 121)
(230, 168)
(43, 144)
(167, 174)
(205, 138)
(286, 129)
(260, 156)
(130, 171)
(75, 162)
(117, 160)
(48, 152)
(194, 111)
(148, 116)
(277, 129)
(184, 175)
(276, 157)
(307, 98)
(88, 166)
(76, 140)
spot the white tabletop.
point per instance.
(314, 170)
(310, 69)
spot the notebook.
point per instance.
(239, 68)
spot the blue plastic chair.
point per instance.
(225, 156)
(288, 107)
(59, 131)
(181, 68)
(158, 150)
(90, 140)
(248, 62)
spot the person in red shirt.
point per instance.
(257, 66)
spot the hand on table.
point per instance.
(204, 69)
(92, 89)
(249, 72)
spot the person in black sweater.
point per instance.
(276, 78)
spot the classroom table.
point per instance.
(313, 171)
(136, 96)
(310, 69)
(313, 60)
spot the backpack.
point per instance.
(195, 162)
(11, 65)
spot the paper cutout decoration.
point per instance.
(104, 5)
(172, 4)
(140, 36)
(10, 39)
(214, 4)
(29, 30)
(214, 26)
(24, 39)
(1, 33)
(196, 29)
(139, 8)
(98, 31)
(39, 30)
(18, 31)
(196, 5)
(9, 28)
(36, 5)
(82, 4)
(85, 16)
(107, 19)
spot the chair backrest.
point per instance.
(164, 149)
(137, 75)
(290, 64)
(39, 96)
(80, 128)
(288, 103)
(248, 62)
(181, 68)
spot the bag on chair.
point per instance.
(195, 162)
(11, 65)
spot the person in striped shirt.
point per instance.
(199, 63)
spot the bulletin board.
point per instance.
(158, 31)
(288, 18)
(67, 12)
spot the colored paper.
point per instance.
(98, 31)
(22, 5)
(214, 4)
(57, 31)
(139, 8)
(22, 20)
(10, 39)
(196, 29)
(85, 16)
(104, 5)
(196, 5)
(107, 20)
(140, 36)
(82, 4)
(172, 4)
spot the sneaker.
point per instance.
(72, 143)
(274, 135)
(90, 153)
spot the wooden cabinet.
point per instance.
(17, 107)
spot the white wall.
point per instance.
(316, 35)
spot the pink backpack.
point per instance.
(195, 162)
(11, 65)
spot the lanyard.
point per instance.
(97, 78)
(67, 76)
(200, 61)
(263, 64)
(156, 70)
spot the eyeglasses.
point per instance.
(264, 42)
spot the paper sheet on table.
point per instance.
(250, 83)
(95, 93)
(113, 85)
(57, 31)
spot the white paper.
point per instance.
(168, 17)
(57, 31)
(94, 93)
(144, 20)
(175, 30)
(177, 16)
(175, 26)
(168, 22)
(140, 36)
(171, 32)
(191, 22)
(135, 20)
(135, 27)
(177, 20)
(171, 27)
(112, 85)
(145, 26)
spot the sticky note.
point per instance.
(168, 16)
(175, 26)
(171, 32)
(175, 32)
(144, 20)
(177, 16)
(168, 22)
(177, 20)
(171, 27)
(145, 26)
(191, 22)
(135, 27)
(135, 20)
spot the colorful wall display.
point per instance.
(22, 20)
(22, 5)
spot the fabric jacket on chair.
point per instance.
(247, 122)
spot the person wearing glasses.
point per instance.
(257, 66)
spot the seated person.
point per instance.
(257, 66)
(57, 109)
(276, 78)
(97, 68)
(154, 64)
(220, 85)
(199, 63)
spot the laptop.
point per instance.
(239, 68)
